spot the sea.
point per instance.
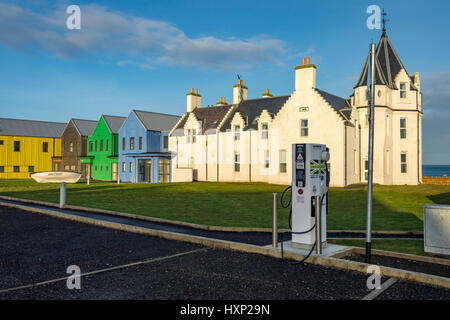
(435, 170)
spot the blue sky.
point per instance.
(148, 54)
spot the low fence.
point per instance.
(436, 180)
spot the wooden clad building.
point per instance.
(74, 144)
(28, 146)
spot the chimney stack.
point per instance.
(267, 94)
(237, 88)
(194, 100)
(222, 102)
(305, 75)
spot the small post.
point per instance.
(318, 226)
(62, 195)
(275, 220)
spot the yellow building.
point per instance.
(28, 146)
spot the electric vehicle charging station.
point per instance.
(310, 181)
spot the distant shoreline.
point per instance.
(435, 170)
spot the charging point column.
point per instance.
(309, 184)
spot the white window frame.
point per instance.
(283, 164)
(403, 128)
(302, 128)
(265, 131)
(237, 132)
(404, 163)
(403, 91)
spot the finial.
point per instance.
(384, 20)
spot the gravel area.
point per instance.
(405, 264)
(35, 247)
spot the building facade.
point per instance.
(74, 144)
(143, 139)
(103, 149)
(250, 140)
(28, 146)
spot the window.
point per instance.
(166, 142)
(30, 168)
(90, 146)
(188, 136)
(16, 146)
(2, 169)
(123, 143)
(124, 167)
(403, 90)
(131, 143)
(1, 142)
(403, 166)
(264, 131)
(237, 162)
(194, 135)
(164, 170)
(101, 168)
(366, 170)
(140, 143)
(16, 169)
(266, 159)
(107, 145)
(96, 146)
(283, 165)
(44, 146)
(131, 166)
(107, 168)
(67, 167)
(95, 168)
(304, 127)
(403, 128)
(237, 133)
(73, 168)
(101, 145)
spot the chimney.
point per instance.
(222, 102)
(305, 75)
(237, 88)
(194, 100)
(417, 80)
(267, 94)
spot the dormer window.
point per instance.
(237, 133)
(264, 131)
(194, 135)
(403, 90)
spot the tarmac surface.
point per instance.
(36, 248)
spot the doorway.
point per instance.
(145, 170)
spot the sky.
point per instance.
(147, 54)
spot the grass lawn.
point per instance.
(411, 246)
(239, 204)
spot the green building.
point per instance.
(103, 149)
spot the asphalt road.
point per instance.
(36, 248)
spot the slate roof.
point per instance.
(340, 105)
(156, 121)
(252, 108)
(31, 128)
(85, 127)
(387, 65)
(210, 117)
(114, 123)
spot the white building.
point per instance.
(250, 140)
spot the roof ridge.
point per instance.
(164, 114)
(33, 120)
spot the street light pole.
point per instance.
(370, 169)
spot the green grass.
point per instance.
(411, 246)
(239, 204)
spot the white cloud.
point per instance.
(136, 40)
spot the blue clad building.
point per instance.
(143, 147)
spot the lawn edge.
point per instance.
(189, 224)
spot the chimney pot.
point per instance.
(307, 60)
(303, 61)
(196, 91)
(192, 90)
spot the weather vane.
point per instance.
(384, 20)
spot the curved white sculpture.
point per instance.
(56, 177)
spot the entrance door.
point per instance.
(114, 171)
(145, 170)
